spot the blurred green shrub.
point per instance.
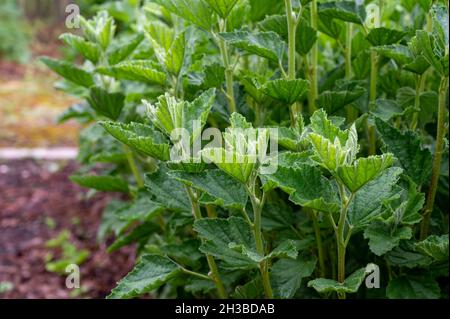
(14, 37)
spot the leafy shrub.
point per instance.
(361, 173)
(13, 32)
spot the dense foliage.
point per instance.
(13, 32)
(357, 93)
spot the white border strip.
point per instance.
(57, 153)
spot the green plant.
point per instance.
(304, 77)
(69, 254)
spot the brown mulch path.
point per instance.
(31, 192)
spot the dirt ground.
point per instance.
(37, 202)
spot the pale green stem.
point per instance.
(437, 158)
(263, 266)
(314, 90)
(419, 85)
(292, 29)
(371, 135)
(351, 111)
(228, 67)
(348, 51)
(342, 239)
(211, 211)
(320, 253)
(195, 274)
(133, 166)
(215, 276)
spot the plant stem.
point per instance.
(419, 85)
(133, 166)
(319, 244)
(351, 112)
(348, 51)
(341, 240)
(436, 159)
(228, 68)
(292, 28)
(215, 276)
(313, 91)
(371, 136)
(211, 211)
(195, 274)
(257, 205)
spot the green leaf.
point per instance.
(364, 170)
(276, 216)
(420, 63)
(291, 140)
(135, 70)
(222, 7)
(107, 104)
(332, 101)
(195, 11)
(82, 112)
(328, 154)
(100, 29)
(384, 236)
(70, 72)
(408, 211)
(305, 35)
(143, 209)
(401, 257)
(384, 36)
(262, 8)
(88, 50)
(140, 235)
(286, 91)
(111, 221)
(428, 49)
(151, 272)
(407, 149)
(350, 285)
(397, 52)
(169, 114)
(230, 240)
(296, 160)
(306, 187)
(434, 246)
(225, 190)
(236, 165)
(175, 55)
(348, 11)
(124, 51)
(386, 109)
(167, 191)
(140, 137)
(214, 76)
(404, 287)
(251, 290)
(192, 166)
(287, 274)
(321, 125)
(266, 44)
(367, 203)
(330, 27)
(102, 183)
(185, 252)
(287, 249)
